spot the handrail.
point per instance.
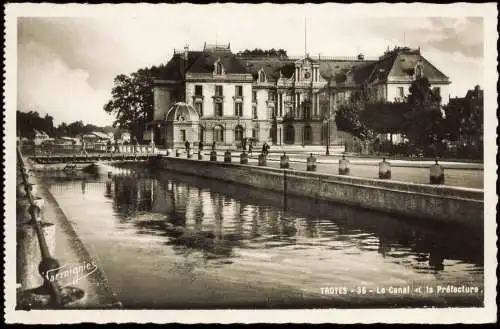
(48, 263)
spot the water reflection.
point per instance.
(157, 226)
(214, 218)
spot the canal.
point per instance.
(169, 241)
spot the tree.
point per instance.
(257, 52)
(424, 121)
(347, 118)
(132, 101)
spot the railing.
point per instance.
(55, 149)
(48, 263)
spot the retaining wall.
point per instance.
(442, 203)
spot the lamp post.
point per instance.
(328, 136)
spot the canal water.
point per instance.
(169, 241)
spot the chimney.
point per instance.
(183, 58)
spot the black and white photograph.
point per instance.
(288, 163)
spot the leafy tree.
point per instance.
(132, 100)
(424, 120)
(257, 52)
(347, 118)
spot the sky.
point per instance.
(66, 65)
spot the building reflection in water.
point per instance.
(214, 218)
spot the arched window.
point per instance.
(262, 76)
(289, 134)
(238, 133)
(218, 133)
(307, 134)
(218, 67)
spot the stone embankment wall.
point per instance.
(436, 202)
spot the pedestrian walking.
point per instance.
(213, 146)
(117, 148)
(250, 147)
(200, 146)
(188, 146)
(265, 149)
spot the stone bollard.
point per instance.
(244, 158)
(311, 163)
(344, 166)
(227, 156)
(284, 161)
(177, 153)
(262, 160)
(213, 156)
(436, 174)
(384, 169)
(200, 156)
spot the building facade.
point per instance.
(276, 99)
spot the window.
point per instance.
(183, 135)
(238, 92)
(238, 133)
(238, 109)
(254, 112)
(262, 76)
(199, 108)
(219, 110)
(307, 112)
(289, 134)
(307, 134)
(218, 68)
(218, 134)
(198, 90)
(218, 90)
(254, 96)
(401, 92)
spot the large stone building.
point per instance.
(278, 99)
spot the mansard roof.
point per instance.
(400, 63)
(271, 66)
(172, 70)
(206, 59)
(346, 72)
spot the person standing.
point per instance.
(244, 144)
(250, 147)
(109, 146)
(200, 146)
(188, 146)
(117, 149)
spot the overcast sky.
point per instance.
(66, 65)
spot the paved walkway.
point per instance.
(468, 175)
(71, 253)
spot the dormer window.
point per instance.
(219, 69)
(419, 71)
(262, 76)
